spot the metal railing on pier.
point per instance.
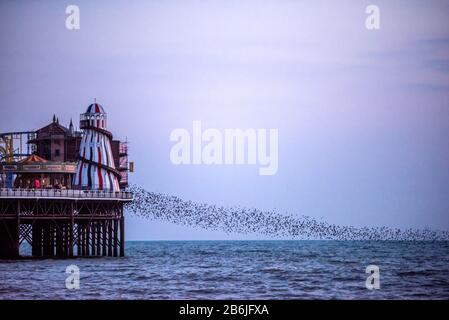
(68, 194)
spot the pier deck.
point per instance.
(62, 223)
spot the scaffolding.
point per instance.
(14, 146)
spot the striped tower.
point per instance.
(95, 167)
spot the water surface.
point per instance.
(240, 270)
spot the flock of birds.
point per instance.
(239, 220)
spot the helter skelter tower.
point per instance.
(95, 168)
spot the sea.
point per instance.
(238, 270)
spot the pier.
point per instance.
(62, 223)
(63, 192)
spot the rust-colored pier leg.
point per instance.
(109, 226)
(59, 240)
(79, 240)
(9, 239)
(40, 239)
(35, 237)
(10, 235)
(49, 239)
(17, 229)
(94, 238)
(88, 238)
(71, 240)
(66, 239)
(52, 239)
(122, 236)
(36, 250)
(43, 245)
(46, 240)
(103, 227)
(63, 237)
(83, 240)
(54, 235)
(55, 231)
(115, 222)
(71, 230)
(98, 232)
(69, 244)
(88, 241)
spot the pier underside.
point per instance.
(62, 228)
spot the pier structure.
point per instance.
(62, 223)
(66, 198)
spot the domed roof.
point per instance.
(32, 159)
(95, 108)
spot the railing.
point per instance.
(57, 193)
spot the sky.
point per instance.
(362, 115)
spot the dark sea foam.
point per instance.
(240, 270)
